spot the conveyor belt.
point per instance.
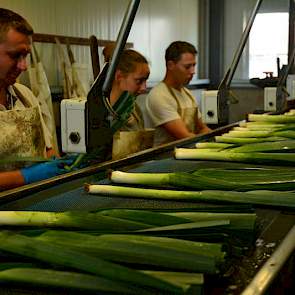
(273, 224)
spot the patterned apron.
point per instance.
(21, 132)
(134, 138)
(189, 115)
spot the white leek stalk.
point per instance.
(271, 118)
(213, 145)
(259, 158)
(139, 178)
(271, 198)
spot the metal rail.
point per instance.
(242, 44)
(268, 272)
(223, 89)
(120, 44)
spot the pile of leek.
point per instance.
(264, 139)
(93, 262)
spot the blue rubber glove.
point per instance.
(46, 170)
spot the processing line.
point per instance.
(274, 225)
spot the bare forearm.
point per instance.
(177, 129)
(201, 127)
(11, 179)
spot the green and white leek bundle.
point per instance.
(143, 251)
(270, 198)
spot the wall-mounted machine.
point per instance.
(215, 103)
(275, 98)
(88, 125)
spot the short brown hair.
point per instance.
(108, 51)
(128, 60)
(11, 20)
(177, 48)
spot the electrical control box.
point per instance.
(73, 128)
(270, 98)
(290, 85)
(209, 105)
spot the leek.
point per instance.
(245, 140)
(206, 180)
(285, 133)
(51, 253)
(290, 112)
(144, 216)
(283, 199)
(188, 226)
(64, 279)
(141, 178)
(267, 126)
(213, 145)
(256, 158)
(262, 124)
(285, 145)
(180, 278)
(188, 256)
(248, 174)
(271, 118)
(240, 221)
(247, 133)
(73, 238)
(174, 179)
(81, 220)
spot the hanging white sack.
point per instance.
(40, 88)
(80, 78)
(66, 70)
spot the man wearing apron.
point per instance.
(23, 132)
(170, 105)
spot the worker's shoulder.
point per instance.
(159, 89)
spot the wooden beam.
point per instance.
(94, 56)
(50, 38)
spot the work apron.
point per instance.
(189, 115)
(21, 132)
(134, 138)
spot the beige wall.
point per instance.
(157, 24)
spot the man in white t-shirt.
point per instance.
(170, 105)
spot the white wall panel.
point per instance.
(156, 25)
(236, 17)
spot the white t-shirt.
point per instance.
(162, 107)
